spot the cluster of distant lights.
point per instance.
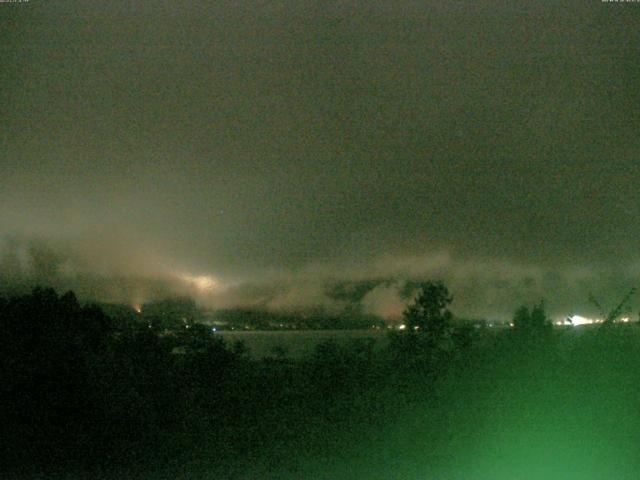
(572, 321)
(577, 320)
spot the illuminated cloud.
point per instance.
(384, 301)
(202, 283)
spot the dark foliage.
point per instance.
(429, 311)
(532, 324)
(92, 398)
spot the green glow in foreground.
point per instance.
(533, 420)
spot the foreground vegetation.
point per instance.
(83, 397)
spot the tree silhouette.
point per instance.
(428, 314)
(532, 323)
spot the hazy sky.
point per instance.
(281, 148)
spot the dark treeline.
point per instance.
(176, 313)
(85, 396)
(260, 319)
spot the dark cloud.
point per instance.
(286, 150)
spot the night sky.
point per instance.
(261, 153)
